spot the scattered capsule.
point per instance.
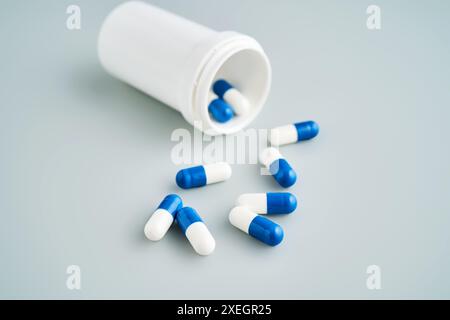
(258, 227)
(293, 133)
(280, 169)
(202, 175)
(161, 220)
(271, 202)
(220, 110)
(232, 96)
(196, 231)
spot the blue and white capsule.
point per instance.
(258, 227)
(200, 176)
(269, 203)
(280, 169)
(293, 133)
(161, 220)
(220, 110)
(196, 231)
(232, 96)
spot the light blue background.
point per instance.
(85, 158)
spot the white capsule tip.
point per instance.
(158, 224)
(154, 232)
(227, 170)
(206, 248)
(200, 238)
(241, 217)
(274, 137)
(283, 135)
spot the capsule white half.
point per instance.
(241, 217)
(283, 135)
(239, 103)
(200, 238)
(196, 231)
(232, 96)
(257, 202)
(217, 172)
(158, 224)
(161, 220)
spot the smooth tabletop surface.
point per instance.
(85, 159)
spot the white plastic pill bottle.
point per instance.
(176, 61)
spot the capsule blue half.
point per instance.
(171, 203)
(281, 202)
(220, 87)
(278, 167)
(266, 231)
(258, 227)
(220, 111)
(283, 173)
(191, 177)
(187, 216)
(306, 130)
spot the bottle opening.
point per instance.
(243, 64)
